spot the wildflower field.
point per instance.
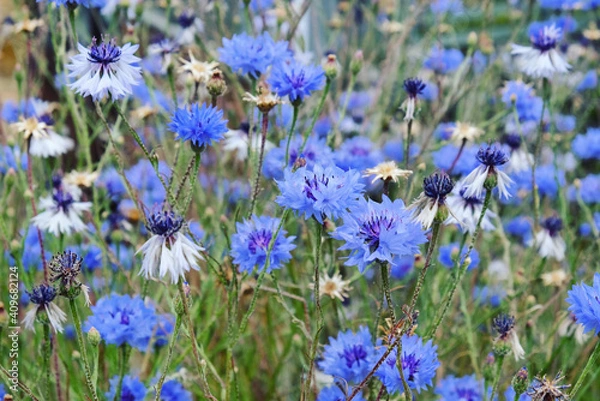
(300, 200)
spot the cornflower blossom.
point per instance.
(387, 171)
(200, 125)
(335, 393)
(570, 327)
(334, 286)
(43, 140)
(321, 193)
(413, 87)
(239, 142)
(466, 210)
(200, 71)
(549, 241)
(544, 389)
(250, 244)
(123, 319)
(252, 56)
(520, 159)
(432, 200)
(507, 339)
(164, 50)
(61, 211)
(452, 388)
(296, 80)
(419, 364)
(541, 60)
(132, 389)
(190, 25)
(584, 305)
(168, 251)
(349, 355)
(378, 232)
(490, 158)
(42, 297)
(105, 68)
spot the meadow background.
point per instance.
(247, 332)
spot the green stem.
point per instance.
(73, 26)
(385, 281)
(82, 350)
(407, 148)
(290, 133)
(47, 351)
(169, 356)
(497, 375)
(462, 267)
(434, 238)
(589, 366)
(261, 155)
(538, 152)
(316, 115)
(125, 349)
(317, 295)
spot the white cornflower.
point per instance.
(168, 251)
(334, 287)
(237, 141)
(62, 211)
(43, 140)
(201, 71)
(435, 189)
(507, 339)
(47, 311)
(490, 158)
(569, 326)
(548, 240)
(413, 87)
(387, 171)
(165, 50)
(466, 210)
(105, 68)
(542, 60)
(190, 25)
(464, 132)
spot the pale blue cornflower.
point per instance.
(584, 301)
(541, 60)
(490, 159)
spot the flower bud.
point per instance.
(216, 84)
(331, 66)
(94, 337)
(520, 381)
(488, 368)
(357, 62)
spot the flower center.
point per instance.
(553, 225)
(106, 53)
(370, 230)
(42, 295)
(437, 185)
(546, 39)
(313, 184)
(63, 200)
(491, 156)
(354, 353)
(467, 394)
(259, 239)
(164, 223)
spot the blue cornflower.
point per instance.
(589, 81)
(85, 3)
(448, 254)
(172, 390)
(11, 157)
(466, 388)
(467, 162)
(349, 355)
(520, 226)
(528, 106)
(509, 395)
(587, 146)
(443, 61)
(105, 68)
(321, 193)
(490, 159)
(419, 363)
(357, 153)
(200, 125)
(249, 246)
(446, 6)
(585, 229)
(378, 232)
(2, 391)
(122, 319)
(335, 393)
(585, 305)
(489, 294)
(296, 80)
(564, 4)
(541, 60)
(132, 389)
(315, 152)
(248, 55)
(401, 266)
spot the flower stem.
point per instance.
(125, 350)
(34, 209)
(434, 238)
(290, 133)
(169, 356)
(320, 318)
(263, 140)
(316, 115)
(408, 139)
(82, 350)
(407, 392)
(497, 375)
(462, 267)
(47, 351)
(538, 152)
(460, 150)
(385, 281)
(592, 364)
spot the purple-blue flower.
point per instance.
(589, 81)
(132, 389)
(466, 388)
(587, 146)
(200, 125)
(250, 244)
(443, 61)
(321, 193)
(172, 390)
(248, 55)
(584, 303)
(315, 152)
(335, 393)
(296, 80)
(448, 254)
(467, 162)
(122, 319)
(357, 153)
(419, 363)
(349, 355)
(378, 232)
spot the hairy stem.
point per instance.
(82, 350)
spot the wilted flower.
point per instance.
(387, 171)
(105, 68)
(43, 140)
(549, 241)
(165, 50)
(465, 132)
(201, 71)
(64, 269)
(570, 327)
(544, 389)
(431, 203)
(542, 60)
(168, 251)
(520, 159)
(42, 297)
(334, 286)
(265, 101)
(466, 210)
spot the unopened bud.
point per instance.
(488, 368)
(357, 62)
(216, 84)
(300, 162)
(472, 39)
(94, 337)
(331, 66)
(520, 381)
